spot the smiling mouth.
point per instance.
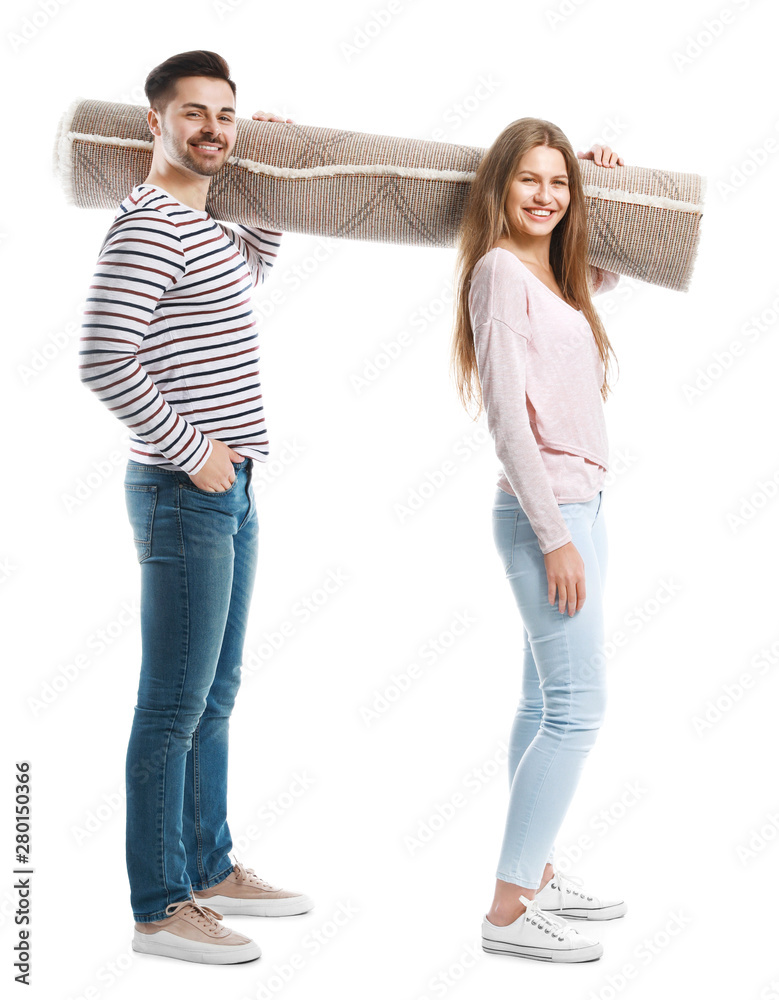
(543, 213)
(207, 147)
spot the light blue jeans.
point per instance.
(563, 683)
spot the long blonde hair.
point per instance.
(484, 223)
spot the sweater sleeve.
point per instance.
(501, 333)
(141, 259)
(602, 280)
(258, 247)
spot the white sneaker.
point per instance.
(194, 933)
(539, 935)
(560, 895)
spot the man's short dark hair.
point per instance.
(160, 84)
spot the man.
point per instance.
(169, 345)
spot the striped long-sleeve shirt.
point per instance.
(169, 340)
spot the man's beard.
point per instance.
(185, 156)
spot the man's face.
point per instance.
(198, 125)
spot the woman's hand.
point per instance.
(565, 575)
(604, 156)
(268, 116)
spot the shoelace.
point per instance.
(548, 923)
(203, 915)
(249, 874)
(561, 881)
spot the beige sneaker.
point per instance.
(194, 933)
(243, 892)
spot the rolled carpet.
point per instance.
(642, 222)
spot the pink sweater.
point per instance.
(540, 374)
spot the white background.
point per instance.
(666, 809)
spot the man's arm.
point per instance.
(258, 247)
(140, 259)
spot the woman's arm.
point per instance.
(603, 156)
(501, 332)
(501, 358)
(602, 280)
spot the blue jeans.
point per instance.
(198, 556)
(563, 683)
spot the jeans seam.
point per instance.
(196, 798)
(513, 542)
(161, 807)
(247, 491)
(535, 803)
(557, 749)
(186, 620)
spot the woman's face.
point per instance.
(539, 194)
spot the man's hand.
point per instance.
(565, 575)
(604, 156)
(218, 474)
(267, 116)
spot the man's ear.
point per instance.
(154, 122)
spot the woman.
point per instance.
(530, 349)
